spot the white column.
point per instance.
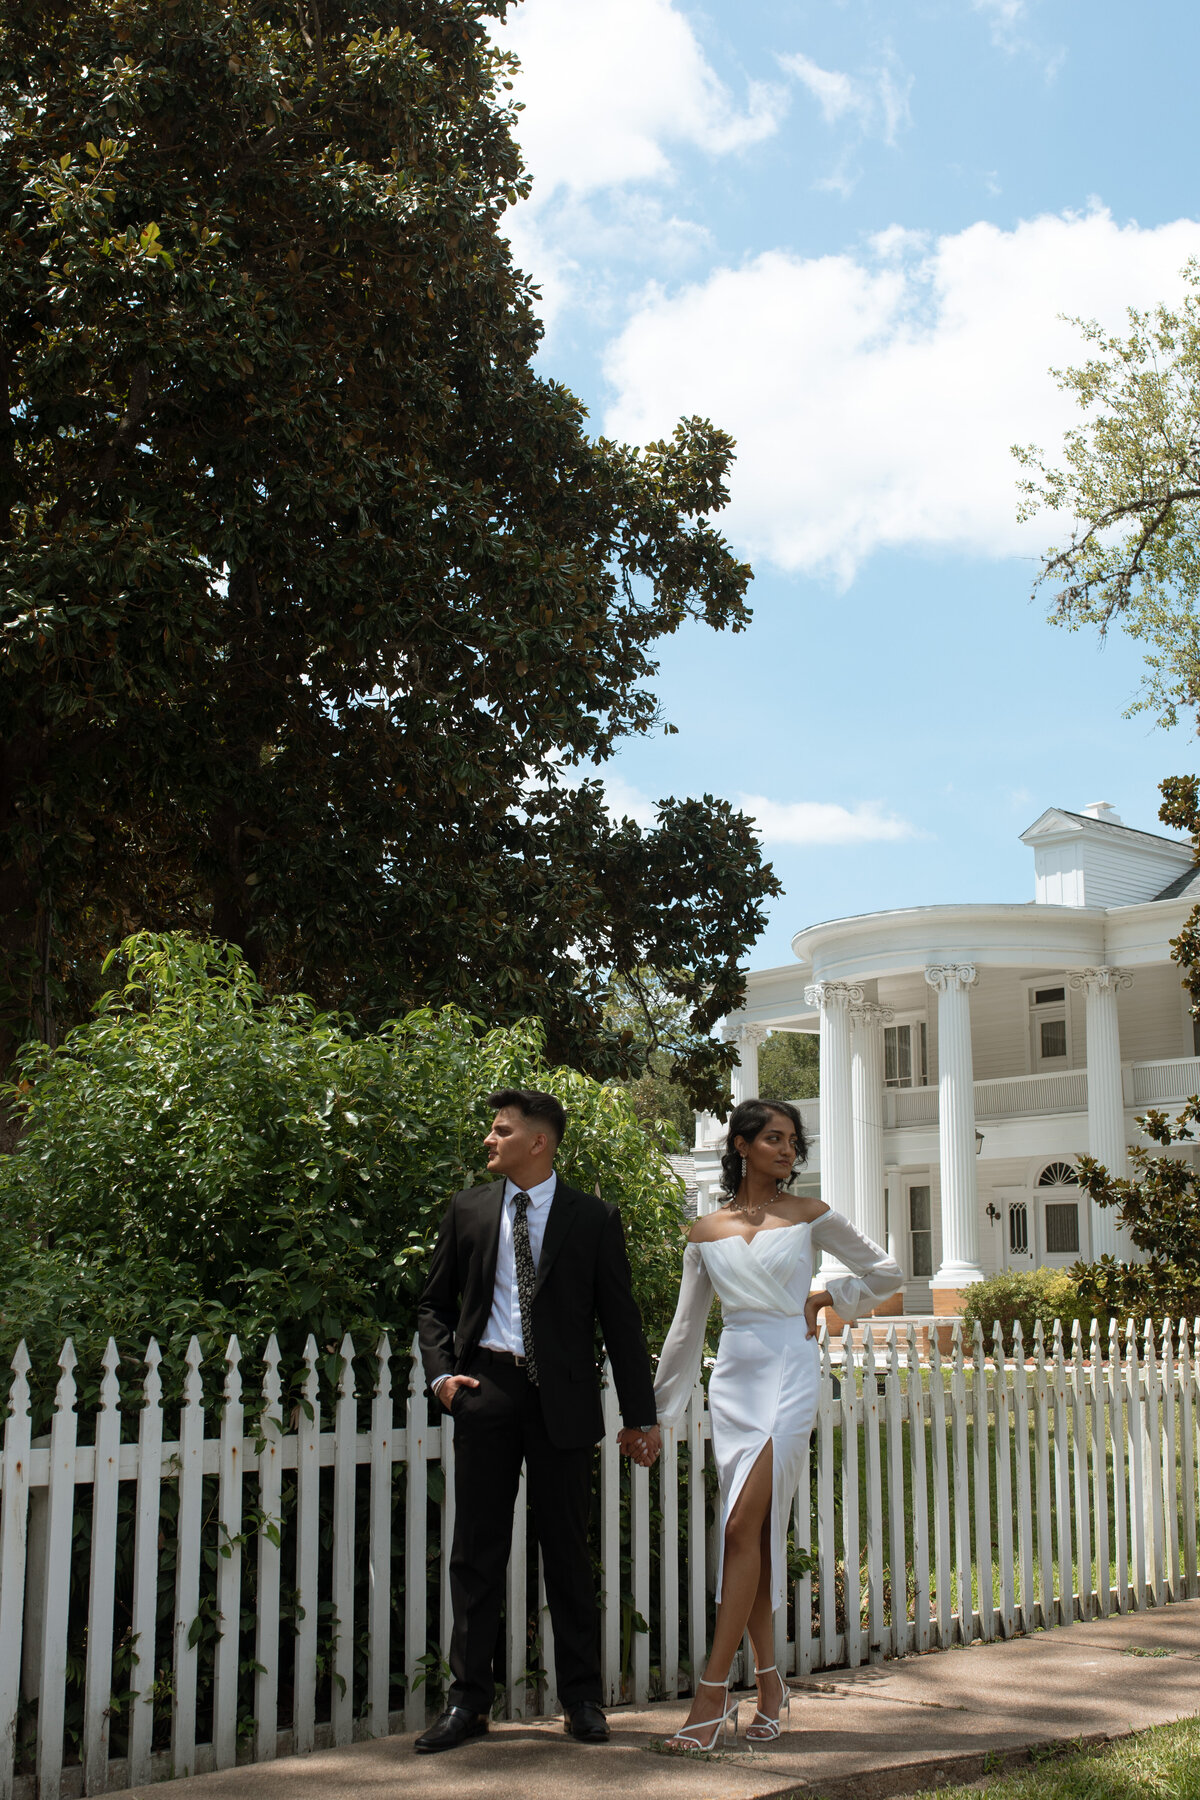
(835, 998)
(1106, 1101)
(747, 1039)
(897, 1235)
(866, 1100)
(956, 1135)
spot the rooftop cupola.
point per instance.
(1091, 858)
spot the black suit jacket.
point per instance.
(583, 1279)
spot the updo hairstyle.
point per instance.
(746, 1121)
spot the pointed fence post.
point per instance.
(1079, 1453)
(1062, 1485)
(1152, 1463)
(308, 1545)
(980, 1413)
(345, 1463)
(415, 1544)
(851, 1554)
(270, 1529)
(105, 1484)
(826, 1540)
(639, 1528)
(1098, 1393)
(59, 1532)
(939, 1453)
(918, 1481)
(1170, 1478)
(897, 1549)
(445, 1600)
(696, 1568)
(874, 1500)
(1043, 1400)
(1024, 1468)
(1187, 1462)
(1135, 1437)
(1116, 1444)
(1003, 1464)
(187, 1564)
(14, 1511)
(379, 1574)
(227, 1656)
(147, 1511)
(668, 1563)
(962, 1489)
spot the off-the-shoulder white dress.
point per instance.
(764, 1387)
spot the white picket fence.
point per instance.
(972, 1498)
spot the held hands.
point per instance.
(448, 1388)
(819, 1298)
(643, 1446)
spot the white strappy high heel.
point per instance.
(763, 1729)
(687, 1738)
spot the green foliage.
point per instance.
(1027, 1296)
(316, 594)
(1129, 487)
(645, 1011)
(200, 1158)
(1159, 1207)
(789, 1066)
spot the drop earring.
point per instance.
(743, 1168)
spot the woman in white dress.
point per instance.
(756, 1253)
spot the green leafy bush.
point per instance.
(198, 1158)
(1045, 1294)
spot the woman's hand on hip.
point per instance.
(817, 1300)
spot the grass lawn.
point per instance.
(1160, 1764)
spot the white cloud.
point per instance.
(610, 85)
(876, 102)
(818, 822)
(874, 396)
(624, 801)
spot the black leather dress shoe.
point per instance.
(587, 1722)
(455, 1727)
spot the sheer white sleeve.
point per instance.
(679, 1364)
(874, 1278)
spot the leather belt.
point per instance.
(502, 1356)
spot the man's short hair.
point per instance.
(531, 1103)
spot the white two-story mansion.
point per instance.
(969, 1054)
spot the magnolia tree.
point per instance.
(198, 1157)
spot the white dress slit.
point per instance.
(765, 1386)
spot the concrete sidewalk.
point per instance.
(890, 1729)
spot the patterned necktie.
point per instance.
(526, 1275)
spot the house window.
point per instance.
(920, 1232)
(1062, 1227)
(1049, 1025)
(1058, 1174)
(1018, 1228)
(905, 1055)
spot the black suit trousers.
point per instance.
(497, 1426)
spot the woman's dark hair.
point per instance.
(746, 1121)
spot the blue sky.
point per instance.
(846, 232)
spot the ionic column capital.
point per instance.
(869, 1013)
(750, 1036)
(1099, 981)
(944, 976)
(833, 996)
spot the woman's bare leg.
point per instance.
(745, 1584)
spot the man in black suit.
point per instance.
(524, 1269)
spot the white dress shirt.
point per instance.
(503, 1329)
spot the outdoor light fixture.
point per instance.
(993, 1212)
(978, 1142)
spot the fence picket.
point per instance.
(187, 1565)
(105, 1485)
(1116, 1447)
(897, 1552)
(851, 1556)
(1174, 1573)
(59, 1522)
(147, 1510)
(1187, 1463)
(918, 1480)
(1135, 1435)
(982, 1486)
(639, 1531)
(1063, 1534)
(345, 1428)
(517, 1608)
(874, 1495)
(802, 1590)
(270, 1537)
(1098, 1395)
(308, 1547)
(1024, 1506)
(826, 1544)
(227, 1655)
(1079, 1454)
(379, 1548)
(668, 1562)
(610, 1546)
(14, 1502)
(550, 1683)
(962, 1498)
(1042, 1393)
(446, 1610)
(697, 1587)
(1003, 1465)
(415, 1545)
(1152, 1463)
(941, 1492)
